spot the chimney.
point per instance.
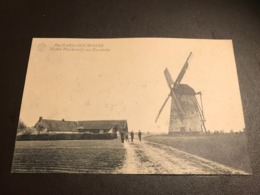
(40, 118)
(63, 119)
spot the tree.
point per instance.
(21, 126)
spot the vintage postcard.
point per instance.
(131, 106)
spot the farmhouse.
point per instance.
(91, 127)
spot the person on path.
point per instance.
(122, 135)
(132, 136)
(140, 135)
(126, 137)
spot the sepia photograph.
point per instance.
(131, 106)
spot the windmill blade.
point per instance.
(164, 103)
(182, 72)
(168, 78)
(178, 104)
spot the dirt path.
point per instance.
(151, 158)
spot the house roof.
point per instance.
(102, 124)
(61, 125)
(58, 125)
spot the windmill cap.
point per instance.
(184, 89)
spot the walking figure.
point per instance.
(132, 136)
(140, 135)
(126, 137)
(122, 135)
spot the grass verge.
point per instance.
(228, 149)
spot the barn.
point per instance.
(87, 126)
(102, 126)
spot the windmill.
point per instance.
(186, 113)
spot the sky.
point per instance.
(116, 79)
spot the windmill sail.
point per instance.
(182, 72)
(168, 78)
(170, 83)
(164, 103)
(176, 103)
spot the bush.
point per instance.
(27, 131)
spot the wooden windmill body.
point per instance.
(186, 113)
